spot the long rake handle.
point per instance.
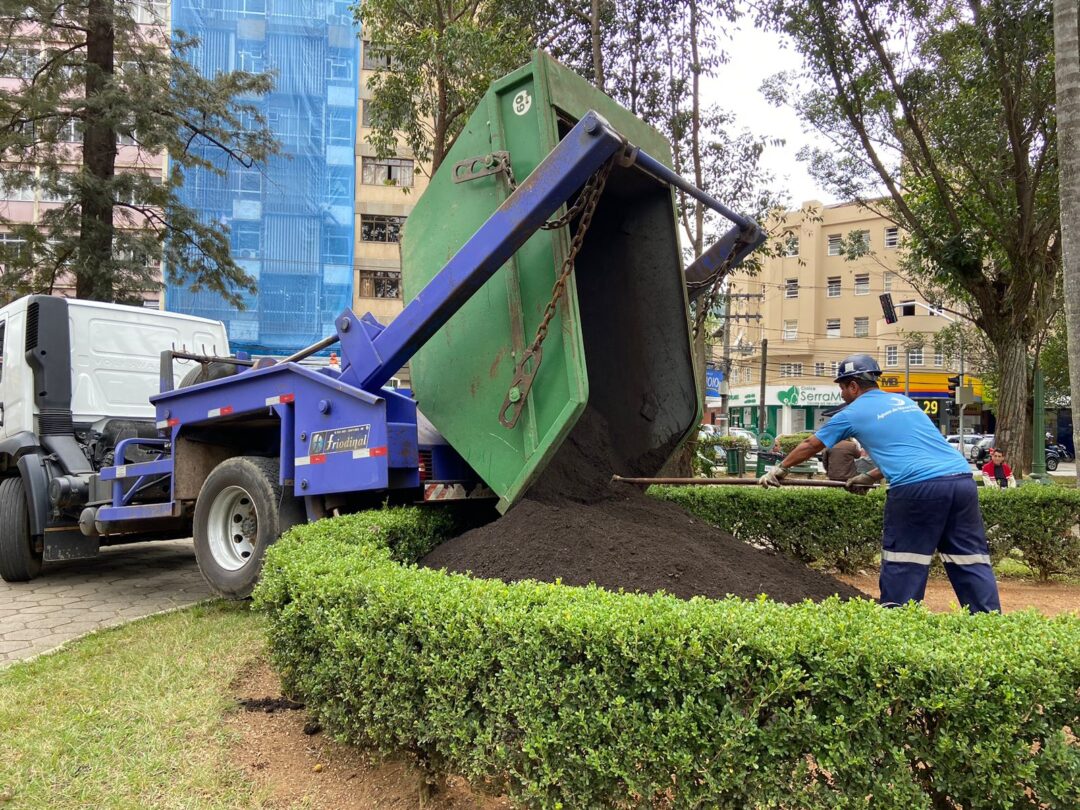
(737, 482)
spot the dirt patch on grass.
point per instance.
(576, 525)
(1049, 598)
(297, 769)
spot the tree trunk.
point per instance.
(1013, 433)
(95, 276)
(597, 45)
(1067, 75)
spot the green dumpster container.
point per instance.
(620, 340)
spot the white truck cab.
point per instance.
(75, 379)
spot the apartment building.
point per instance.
(816, 308)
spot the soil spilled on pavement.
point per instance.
(577, 526)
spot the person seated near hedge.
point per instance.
(840, 460)
(996, 473)
(932, 503)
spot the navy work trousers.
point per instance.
(941, 515)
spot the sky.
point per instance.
(754, 56)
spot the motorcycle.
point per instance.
(1054, 453)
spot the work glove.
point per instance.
(773, 477)
(859, 483)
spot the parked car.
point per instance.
(749, 435)
(981, 451)
(970, 440)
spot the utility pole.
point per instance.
(961, 407)
(762, 418)
(726, 363)
(907, 371)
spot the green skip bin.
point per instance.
(619, 342)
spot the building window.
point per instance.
(151, 303)
(247, 240)
(378, 284)
(373, 59)
(247, 183)
(862, 238)
(819, 369)
(380, 228)
(339, 126)
(915, 357)
(890, 355)
(832, 288)
(791, 245)
(791, 288)
(748, 375)
(892, 237)
(862, 327)
(338, 68)
(832, 328)
(150, 12)
(835, 369)
(791, 330)
(791, 369)
(365, 113)
(21, 63)
(11, 248)
(862, 284)
(389, 172)
(886, 281)
(835, 241)
(906, 308)
(939, 359)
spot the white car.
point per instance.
(970, 440)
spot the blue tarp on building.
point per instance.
(291, 222)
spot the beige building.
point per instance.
(816, 308)
(386, 190)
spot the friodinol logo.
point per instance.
(789, 397)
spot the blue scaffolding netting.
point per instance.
(291, 222)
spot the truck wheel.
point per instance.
(240, 512)
(19, 561)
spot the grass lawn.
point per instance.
(131, 717)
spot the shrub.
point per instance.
(843, 531)
(740, 443)
(789, 441)
(578, 697)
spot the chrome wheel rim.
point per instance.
(233, 528)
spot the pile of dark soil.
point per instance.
(577, 526)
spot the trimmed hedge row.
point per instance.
(579, 698)
(843, 531)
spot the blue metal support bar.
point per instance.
(665, 175)
(566, 169)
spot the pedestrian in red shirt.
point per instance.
(996, 473)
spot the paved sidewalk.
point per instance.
(72, 598)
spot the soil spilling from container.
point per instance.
(576, 525)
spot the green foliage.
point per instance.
(731, 442)
(441, 57)
(789, 441)
(99, 79)
(827, 526)
(843, 531)
(579, 697)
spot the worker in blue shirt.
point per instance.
(933, 502)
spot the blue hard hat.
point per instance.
(858, 367)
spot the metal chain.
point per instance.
(586, 204)
(571, 213)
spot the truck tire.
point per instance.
(205, 372)
(19, 561)
(240, 512)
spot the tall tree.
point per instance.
(89, 76)
(440, 56)
(945, 107)
(1067, 69)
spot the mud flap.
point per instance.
(69, 544)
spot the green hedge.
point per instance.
(843, 531)
(580, 698)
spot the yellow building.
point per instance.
(816, 308)
(386, 190)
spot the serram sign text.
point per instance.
(806, 396)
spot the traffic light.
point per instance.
(955, 383)
(887, 307)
